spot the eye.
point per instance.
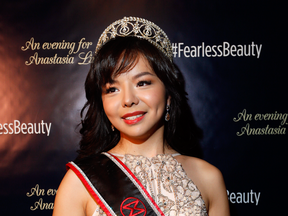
(143, 83)
(110, 90)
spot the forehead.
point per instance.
(139, 65)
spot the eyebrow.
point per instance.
(134, 78)
(112, 81)
(143, 74)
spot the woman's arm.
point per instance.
(217, 194)
(71, 197)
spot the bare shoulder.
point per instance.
(72, 197)
(209, 181)
(70, 183)
(199, 169)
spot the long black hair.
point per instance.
(117, 56)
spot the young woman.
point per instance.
(137, 135)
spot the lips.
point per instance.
(134, 117)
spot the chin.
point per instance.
(135, 135)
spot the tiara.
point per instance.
(137, 27)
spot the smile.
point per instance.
(133, 118)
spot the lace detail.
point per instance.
(166, 181)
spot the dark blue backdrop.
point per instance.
(220, 89)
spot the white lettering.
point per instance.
(179, 49)
(222, 50)
(244, 197)
(26, 128)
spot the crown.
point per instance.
(137, 27)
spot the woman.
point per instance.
(137, 114)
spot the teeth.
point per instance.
(133, 117)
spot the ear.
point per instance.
(168, 102)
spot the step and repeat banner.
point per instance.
(233, 58)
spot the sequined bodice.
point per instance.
(167, 183)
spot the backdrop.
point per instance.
(233, 57)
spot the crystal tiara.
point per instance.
(137, 27)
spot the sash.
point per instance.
(114, 187)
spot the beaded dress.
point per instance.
(167, 183)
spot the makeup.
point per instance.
(134, 117)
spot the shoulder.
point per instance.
(209, 181)
(199, 168)
(71, 197)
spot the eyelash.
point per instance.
(139, 84)
(110, 90)
(143, 83)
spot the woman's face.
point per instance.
(135, 101)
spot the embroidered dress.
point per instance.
(166, 181)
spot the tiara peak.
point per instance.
(140, 28)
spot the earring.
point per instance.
(112, 127)
(167, 115)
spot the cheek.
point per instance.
(156, 99)
(110, 107)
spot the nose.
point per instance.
(129, 97)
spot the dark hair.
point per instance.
(116, 56)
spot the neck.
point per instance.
(148, 147)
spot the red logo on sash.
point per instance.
(132, 206)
